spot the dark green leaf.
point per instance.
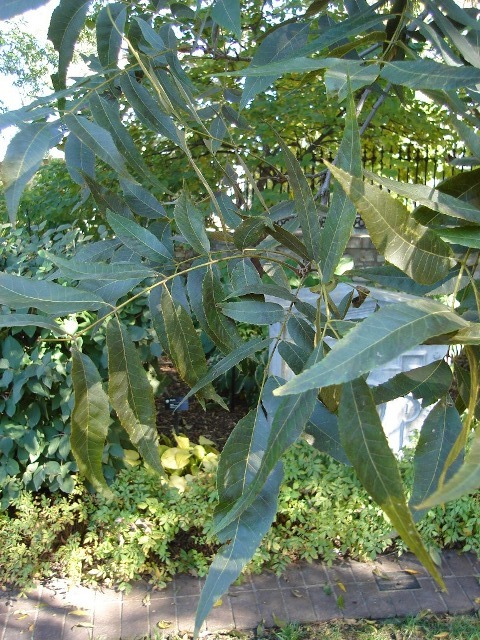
(288, 240)
(253, 311)
(390, 277)
(244, 275)
(263, 290)
(464, 45)
(342, 212)
(301, 332)
(90, 420)
(29, 320)
(251, 231)
(141, 201)
(11, 8)
(465, 236)
(19, 292)
(79, 159)
(427, 74)
(66, 23)
(221, 329)
(227, 14)
(379, 338)
(412, 248)
(366, 445)
(23, 158)
(439, 432)
(428, 383)
(138, 239)
(152, 38)
(107, 200)
(110, 25)
(294, 355)
(217, 130)
(304, 203)
(323, 427)
(131, 394)
(80, 270)
(185, 347)
(98, 140)
(191, 223)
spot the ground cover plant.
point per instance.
(232, 181)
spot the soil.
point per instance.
(213, 423)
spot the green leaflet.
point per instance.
(255, 312)
(287, 424)
(304, 203)
(65, 25)
(465, 236)
(342, 212)
(20, 292)
(293, 355)
(379, 338)
(11, 8)
(98, 140)
(365, 443)
(239, 462)
(439, 433)
(185, 347)
(251, 231)
(138, 239)
(30, 320)
(141, 201)
(90, 420)
(246, 350)
(288, 240)
(23, 158)
(227, 14)
(431, 198)
(412, 248)
(470, 53)
(323, 427)
(244, 275)
(263, 290)
(427, 74)
(191, 223)
(221, 329)
(80, 270)
(107, 200)
(131, 394)
(428, 383)
(79, 159)
(110, 26)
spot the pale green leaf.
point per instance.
(66, 23)
(323, 427)
(131, 394)
(227, 14)
(191, 223)
(20, 292)
(90, 420)
(23, 158)
(138, 239)
(428, 74)
(412, 248)
(379, 338)
(141, 201)
(30, 320)
(428, 383)
(341, 214)
(11, 8)
(79, 158)
(80, 270)
(222, 330)
(469, 52)
(366, 446)
(110, 24)
(255, 312)
(465, 236)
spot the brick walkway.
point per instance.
(305, 593)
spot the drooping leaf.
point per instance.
(439, 433)
(251, 231)
(23, 158)
(131, 394)
(378, 339)
(412, 248)
(464, 45)
(138, 239)
(20, 292)
(98, 140)
(288, 423)
(221, 329)
(428, 74)
(90, 420)
(80, 270)
(217, 130)
(191, 223)
(79, 159)
(261, 289)
(11, 8)
(428, 383)
(246, 350)
(341, 214)
(227, 14)
(323, 427)
(391, 277)
(110, 25)
(239, 463)
(244, 275)
(282, 43)
(255, 312)
(66, 23)
(154, 40)
(431, 198)
(30, 320)
(293, 355)
(107, 200)
(304, 203)
(289, 240)
(301, 332)
(185, 347)
(366, 445)
(141, 201)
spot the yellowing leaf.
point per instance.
(443, 634)
(79, 612)
(218, 603)
(164, 624)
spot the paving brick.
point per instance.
(354, 605)
(135, 620)
(107, 618)
(298, 605)
(246, 613)
(325, 605)
(270, 602)
(428, 597)
(341, 572)
(362, 571)
(292, 577)
(162, 610)
(73, 629)
(410, 562)
(186, 585)
(459, 564)
(314, 573)
(379, 603)
(244, 584)
(266, 580)
(471, 588)
(186, 609)
(50, 620)
(405, 603)
(138, 591)
(456, 600)
(221, 618)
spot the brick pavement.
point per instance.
(304, 593)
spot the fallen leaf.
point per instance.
(79, 612)
(164, 624)
(146, 600)
(22, 616)
(444, 634)
(218, 603)
(278, 621)
(20, 612)
(31, 627)
(342, 586)
(327, 589)
(477, 600)
(340, 602)
(381, 574)
(85, 625)
(297, 593)
(411, 571)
